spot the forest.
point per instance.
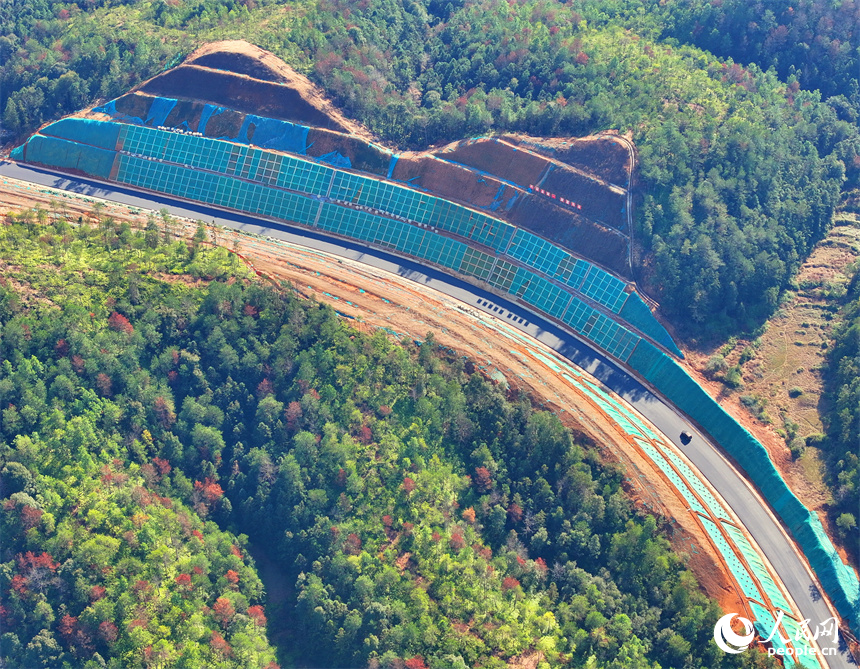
(163, 414)
(840, 442)
(742, 160)
(152, 430)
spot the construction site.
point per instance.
(541, 223)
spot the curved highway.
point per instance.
(704, 454)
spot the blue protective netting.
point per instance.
(336, 159)
(208, 112)
(270, 133)
(159, 110)
(407, 205)
(391, 165)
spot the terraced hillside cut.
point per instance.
(235, 127)
(507, 213)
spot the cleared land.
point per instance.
(583, 208)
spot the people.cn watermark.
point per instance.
(730, 641)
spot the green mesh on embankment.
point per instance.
(764, 624)
(604, 288)
(64, 154)
(671, 380)
(101, 134)
(739, 571)
(757, 567)
(17, 153)
(673, 476)
(637, 313)
(806, 656)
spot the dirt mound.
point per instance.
(573, 232)
(598, 202)
(241, 93)
(239, 63)
(495, 157)
(454, 182)
(241, 76)
(604, 156)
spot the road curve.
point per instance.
(704, 454)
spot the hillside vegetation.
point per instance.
(844, 421)
(425, 517)
(740, 171)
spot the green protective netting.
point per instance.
(17, 153)
(227, 158)
(476, 263)
(503, 275)
(631, 422)
(717, 509)
(578, 314)
(764, 623)
(739, 571)
(420, 207)
(806, 656)
(673, 476)
(759, 570)
(64, 154)
(578, 273)
(610, 336)
(101, 134)
(669, 378)
(637, 313)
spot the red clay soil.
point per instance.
(523, 167)
(573, 232)
(239, 92)
(598, 202)
(601, 154)
(496, 158)
(235, 54)
(452, 181)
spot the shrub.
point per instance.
(797, 446)
(734, 379)
(716, 365)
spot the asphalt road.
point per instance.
(701, 451)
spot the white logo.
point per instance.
(724, 635)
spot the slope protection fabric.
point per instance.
(838, 579)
